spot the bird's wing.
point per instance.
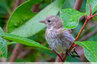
(65, 35)
(68, 36)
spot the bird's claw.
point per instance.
(67, 52)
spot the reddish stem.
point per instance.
(61, 60)
(72, 46)
(94, 15)
(90, 10)
(86, 21)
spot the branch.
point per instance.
(88, 35)
(24, 53)
(78, 4)
(15, 52)
(18, 46)
(80, 50)
(73, 44)
(16, 3)
(86, 21)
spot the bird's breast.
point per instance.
(51, 36)
(54, 41)
(51, 33)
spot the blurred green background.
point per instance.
(30, 54)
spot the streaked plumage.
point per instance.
(58, 40)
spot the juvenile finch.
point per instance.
(59, 40)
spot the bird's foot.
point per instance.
(67, 53)
(74, 53)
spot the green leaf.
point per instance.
(69, 4)
(90, 49)
(24, 41)
(3, 47)
(70, 18)
(33, 25)
(1, 32)
(10, 43)
(93, 4)
(3, 44)
(21, 15)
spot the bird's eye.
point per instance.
(49, 20)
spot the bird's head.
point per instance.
(52, 21)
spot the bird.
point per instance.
(58, 39)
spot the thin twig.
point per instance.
(15, 52)
(76, 39)
(60, 58)
(90, 10)
(24, 53)
(77, 6)
(94, 14)
(88, 35)
(18, 46)
(15, 5)
(86, 21)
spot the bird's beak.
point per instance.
(42, 21)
